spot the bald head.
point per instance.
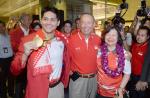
(87, 24)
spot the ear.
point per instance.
(58, 23)
(148, 37)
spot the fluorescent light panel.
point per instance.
(29, 5)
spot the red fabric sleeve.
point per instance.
(13, 40)
(66, 69)
(16, 65)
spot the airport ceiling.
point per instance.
(10, 7)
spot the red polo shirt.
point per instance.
(83, 53)
(138, 53)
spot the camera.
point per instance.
(142, 11)
(117, 20)
(123, 5)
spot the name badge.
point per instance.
(5, 50)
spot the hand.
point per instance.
(120, 91)
(123, 35)
(70, 73)
(128, 55)
(32, 45)
(141, 85)
(139, 18)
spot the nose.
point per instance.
(49, 21)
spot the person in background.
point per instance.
(146, 22)
(128, 36)
(6, 56)
(83, 47)
(107, 23)
(113, 68)
(67, 28)
(138, 50)
(35, 19)
(77, 23)
(138, 21)
(42, 53)
(144, 82)
(21, 31)
(36, 26)
(77, 26)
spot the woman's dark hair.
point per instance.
(54, 10)
(67, 21)
(33, 25)
(108, 29)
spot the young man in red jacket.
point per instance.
(42, 52)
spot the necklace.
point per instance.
(121, 61)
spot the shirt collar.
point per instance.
(26, 32)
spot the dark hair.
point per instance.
(67, 21)
(144, 28)
(33, 25)
(54, 10)
(144, 20)
(107, 30)
(3, 23)
(77, 19)
(35, 17)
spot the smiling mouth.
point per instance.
(110, 41)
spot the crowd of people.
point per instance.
(38, 61)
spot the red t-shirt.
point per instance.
(138, 53)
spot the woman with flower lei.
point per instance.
(113, 68)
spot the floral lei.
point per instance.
(104, 61)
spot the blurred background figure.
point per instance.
(146, 22)
(23, 29)
(6, 55)
(35, 19)
(128, 36)
(36, 26)
(77, 22)
(77, 26)
(67, 28)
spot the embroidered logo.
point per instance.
(140, 53)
